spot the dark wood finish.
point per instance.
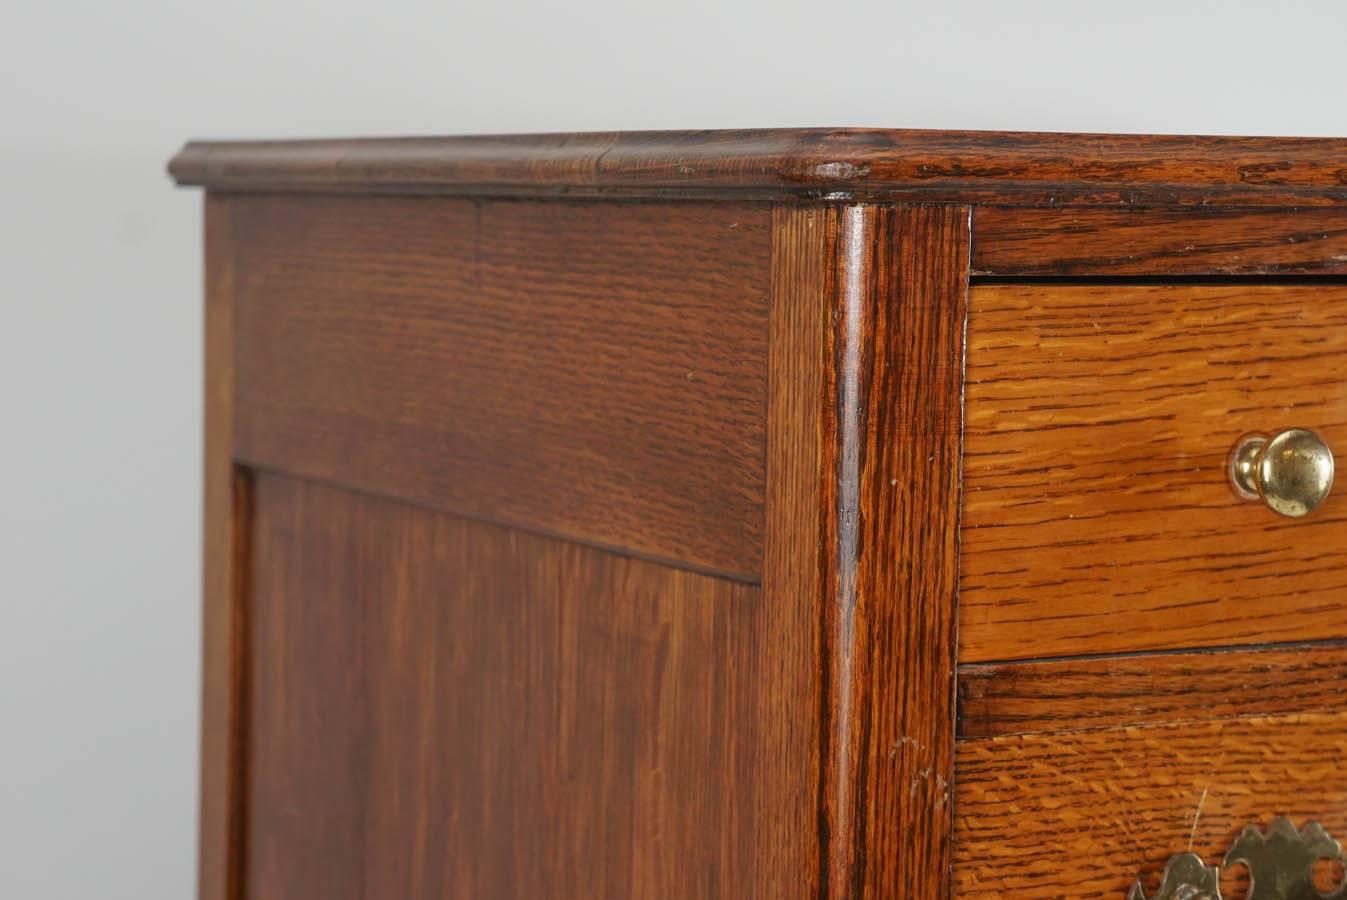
(899, 627)
(893, 289)
(1148, 241)
(899, 276)
(1097, 515)
(1080, 814)
(453, 709)
(1009, 167)
(1103, 692)
(320, 592)
(804, 259)
(590, 371)
(224, 561)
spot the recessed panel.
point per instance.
(440, 708)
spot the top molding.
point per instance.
(1005, 168)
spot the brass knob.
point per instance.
(1291, 471)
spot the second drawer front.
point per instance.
(1097, 513)
(1083, 814)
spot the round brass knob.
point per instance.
(1291, 471)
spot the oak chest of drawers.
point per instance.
(774, 514)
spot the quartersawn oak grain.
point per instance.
(1081, 814)
(1020, 168)
(804, 264)
(899, 627)
(225, 566)
(1100, 692)
(454, 709)
(1097, 516)
(592, 371)
(892, 288)
(1148, 241)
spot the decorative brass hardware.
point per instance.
(1187, 877)
(1291, 471)
(1280, 863)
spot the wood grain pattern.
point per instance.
(591, 371)
(1150, 241)
(800, 370)
(453, 709)
(1101, 692)
(903, 628)
(1081, 814)
(491, 481)
(893, 288)
(947, 166)
(1097, 517)
(317, 594)
(224, 561)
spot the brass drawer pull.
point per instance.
(1280, 863)
(1291, 471)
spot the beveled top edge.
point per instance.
(1019, 168)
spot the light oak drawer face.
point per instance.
(1082, 814)
(1097, 512)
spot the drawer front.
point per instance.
(1084, 814)
(1098, 516)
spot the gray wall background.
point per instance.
(100, 311)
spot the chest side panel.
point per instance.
(594, 371)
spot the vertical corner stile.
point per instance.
(883, 360)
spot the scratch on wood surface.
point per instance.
(1197, 815)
